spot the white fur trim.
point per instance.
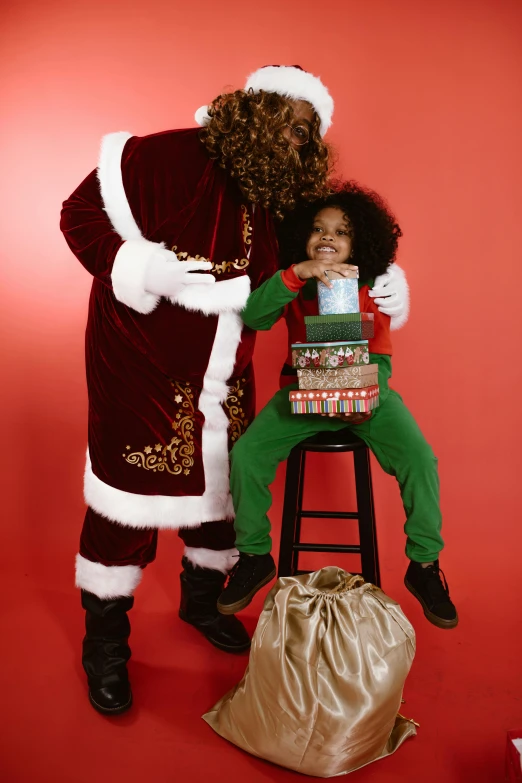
(106, 581)
(162, 511)
(225, 296)
(294, 83)
(130, 264)
(219, 560)
(111, 185)
(153, 511)
(128, 275)
(397, 322)
(202, 116)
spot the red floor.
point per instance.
(464, 688)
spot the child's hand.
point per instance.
(319, 269)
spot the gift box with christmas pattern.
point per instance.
(335, 400)
(355, 377)
(345, 326)
(514, 756)
(342, 297)
(330, 355)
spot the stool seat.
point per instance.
(344, 440)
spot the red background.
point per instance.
(428, 113)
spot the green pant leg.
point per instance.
(402, 451)
(254, 461)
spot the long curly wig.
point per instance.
(375, 232)
(245, 136)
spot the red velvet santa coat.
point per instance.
(170, 383)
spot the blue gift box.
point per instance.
(342, 298)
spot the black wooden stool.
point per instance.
(290, 546)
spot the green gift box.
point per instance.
(346, 326)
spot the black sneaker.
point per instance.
(429, 586)
(250, 574)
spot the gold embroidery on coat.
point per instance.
(237, 421)
(247, 228)
(218, 269)
(227, 266)
(176, 456)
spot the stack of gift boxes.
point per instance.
(333, 367)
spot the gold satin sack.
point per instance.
(323, 687)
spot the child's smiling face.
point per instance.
(331, 236)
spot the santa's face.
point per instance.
(297, 132)
(278, 143)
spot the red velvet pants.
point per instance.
(112, 544)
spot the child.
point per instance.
(353, 225)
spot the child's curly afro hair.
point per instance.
(375, 231)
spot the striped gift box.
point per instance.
(335, 401)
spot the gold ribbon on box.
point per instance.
(354, 377)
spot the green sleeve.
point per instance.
(266, 304)
(385, 371)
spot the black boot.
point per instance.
(200, 589)
(106, 652)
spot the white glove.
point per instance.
(167, 276)
(391, 295)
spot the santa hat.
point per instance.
(290, 81)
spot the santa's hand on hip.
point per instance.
(167, 276)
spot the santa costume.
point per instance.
(170, 379)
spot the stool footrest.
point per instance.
(329, 514)
(331, 448)
(340, 548)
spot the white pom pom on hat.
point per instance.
(202, 115)
(290, 81)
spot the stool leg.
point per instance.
(365, 510)
(298, 513)
(293, 496)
